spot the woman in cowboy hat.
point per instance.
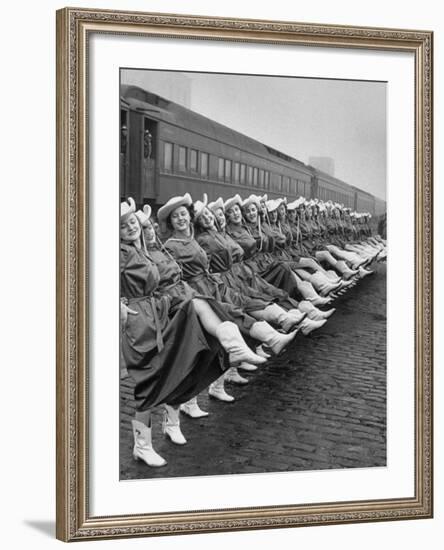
(338, 246)
(170, 343)
(177, 214)
(224, 260)
(323, 256)
(324, 281)
(261, 258)
(223, 253)
(307, 270)
(244, 225)
(171, 284)
(297, 244)
(214, 236)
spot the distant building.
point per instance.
(325, 164)
(160, 83)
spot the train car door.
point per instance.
(124, 153)
(134, 189)
(149, 158)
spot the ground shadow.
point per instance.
(47, 527)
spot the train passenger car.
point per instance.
(166, 150)
(380, 207)
(327, 188)
(365, 202)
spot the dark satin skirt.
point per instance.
(185, 363)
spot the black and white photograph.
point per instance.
(253, 254)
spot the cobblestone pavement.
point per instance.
(322, 404)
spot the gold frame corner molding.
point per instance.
(74, 27)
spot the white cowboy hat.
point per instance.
(126, 208)
(172, 204)
(215, 205)
(200, 205)
(229, 203)
(273, 204)
(252, 199)
(145, 215)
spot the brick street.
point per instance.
(321, 404)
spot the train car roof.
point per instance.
(162, 109)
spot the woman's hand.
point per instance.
(124, 312)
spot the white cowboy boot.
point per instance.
(265, 333)
(232, 375)
(171, 425)
(246, 366)
(333, 276)
(327, 314)
(309, 293)
(192, 409)
(364, 272)
(346, 284)
(298, 313)
(313, 312)
(345, 270)
(276, 314)
(233, 343)
(309, 325)
(323, 284)
(320, 301)
(217, 390)
(143, 448)
(328, 288)
(261, 352)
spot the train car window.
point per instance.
(243, 171)
(255, 171)
(193, 160)
(182, 158)
(168, 157)
(261, 178)
(204, 165)
(286, 185)
(275, 183)
(293, 187)
(236, 172)
(227, 170)
(249, 175)
(220, 169)
(266, 179)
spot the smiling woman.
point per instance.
(170, 342)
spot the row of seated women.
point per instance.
(229, 287)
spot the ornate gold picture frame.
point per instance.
(76, 28)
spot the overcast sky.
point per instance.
(344, 120)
